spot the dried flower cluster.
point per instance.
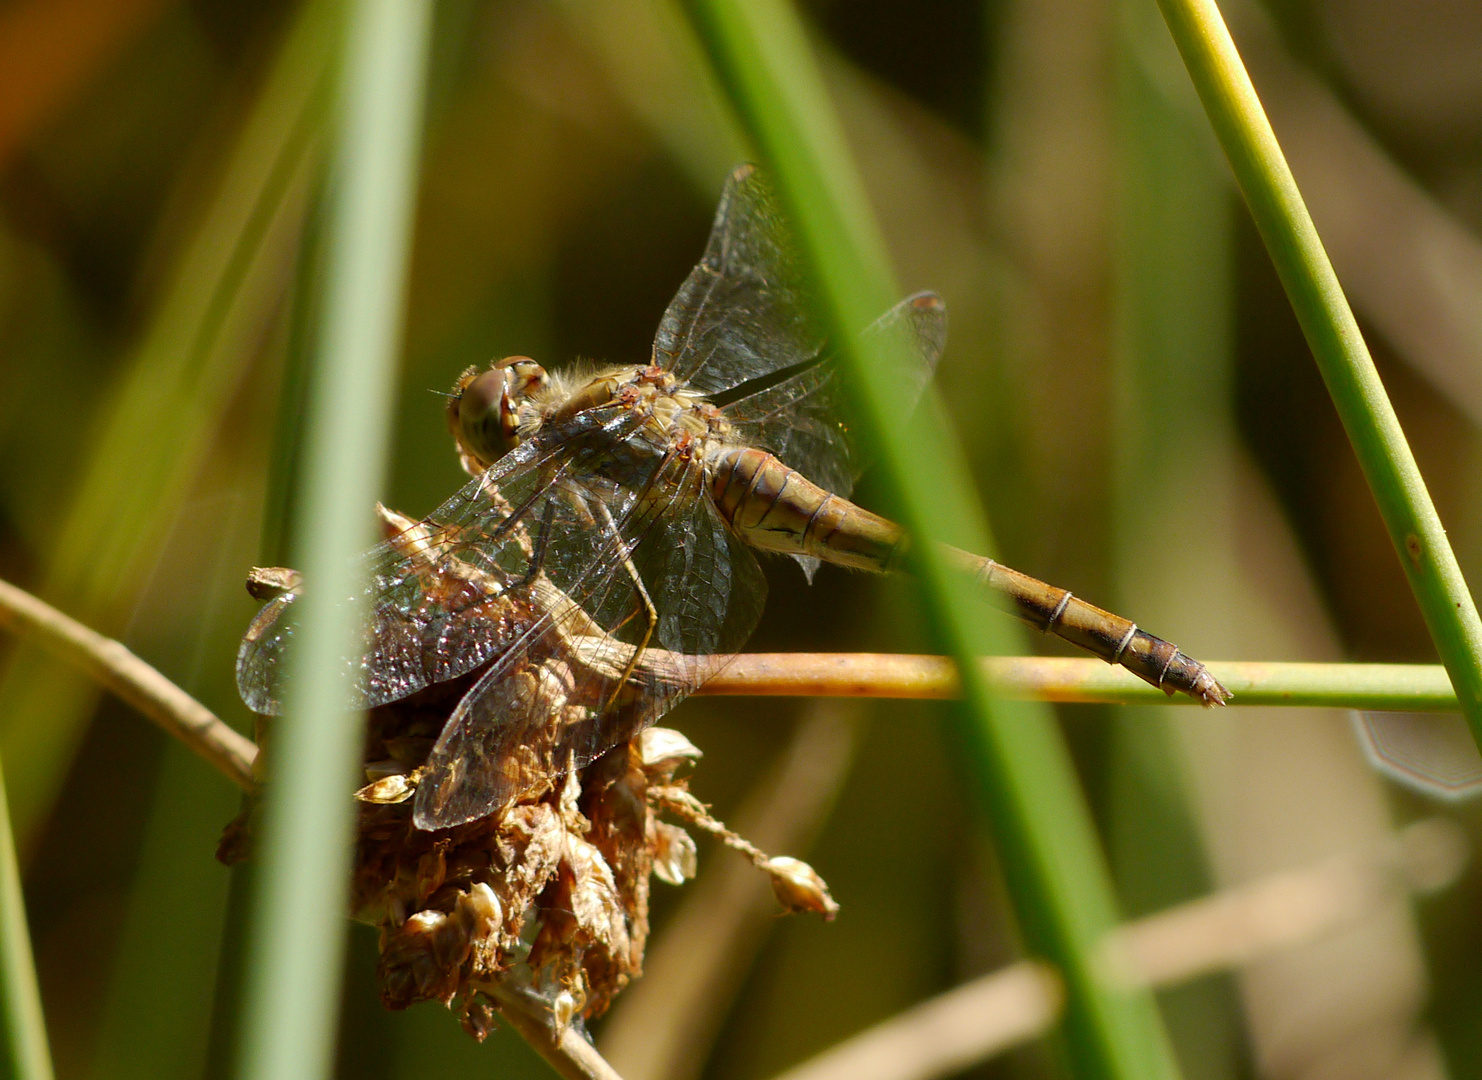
(553, 893)
(550, 896)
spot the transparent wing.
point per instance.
(744, 311)
(643, 594)
(440, 597)
(807, 419)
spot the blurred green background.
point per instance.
(1146, 426)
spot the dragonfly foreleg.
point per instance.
(650, 612)
(538, 549)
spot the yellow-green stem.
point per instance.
(26, 1055)
(1332, 333)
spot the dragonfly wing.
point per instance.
(807, 419)
(437, 594)
(744, 311)
(916, 331)
(412, 638)
(594, 668)
(261, 656)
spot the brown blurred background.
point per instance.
(1147, 427)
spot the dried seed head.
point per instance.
(675, 858)
(798, 886)
(549, 896)
(388, 790)
(661, 749)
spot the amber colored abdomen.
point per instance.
(776, 508)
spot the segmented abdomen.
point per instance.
(777, 508)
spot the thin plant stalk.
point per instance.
(112, 666)
(1056, 872)
(297, 928)
(1398, 687)
(26, 1053)
(1332, 333)
(1074, 680)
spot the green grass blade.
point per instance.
(1327, 321)
(1056, 871)
(296, 938)
(26, 1055)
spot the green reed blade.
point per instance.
(1333, 335)
(1056, 872)
(25, 1055)
(297, 927)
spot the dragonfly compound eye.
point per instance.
(482, 408)
(497, 410)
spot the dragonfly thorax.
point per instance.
(493, 411)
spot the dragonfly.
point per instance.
(601, 564)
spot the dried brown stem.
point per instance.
(113, 665)
(1282, 910)
(948, 1033)
(569, 1053)
(686, 807)
(796, 885)
(955, 1030)
(662, 1027)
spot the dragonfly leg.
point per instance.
(537, 552)
(517, 515)
(650, 611)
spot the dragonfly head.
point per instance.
(495, 409)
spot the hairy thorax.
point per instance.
(675, 419)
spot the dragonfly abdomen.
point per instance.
(776, 508)
(1111, 637)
